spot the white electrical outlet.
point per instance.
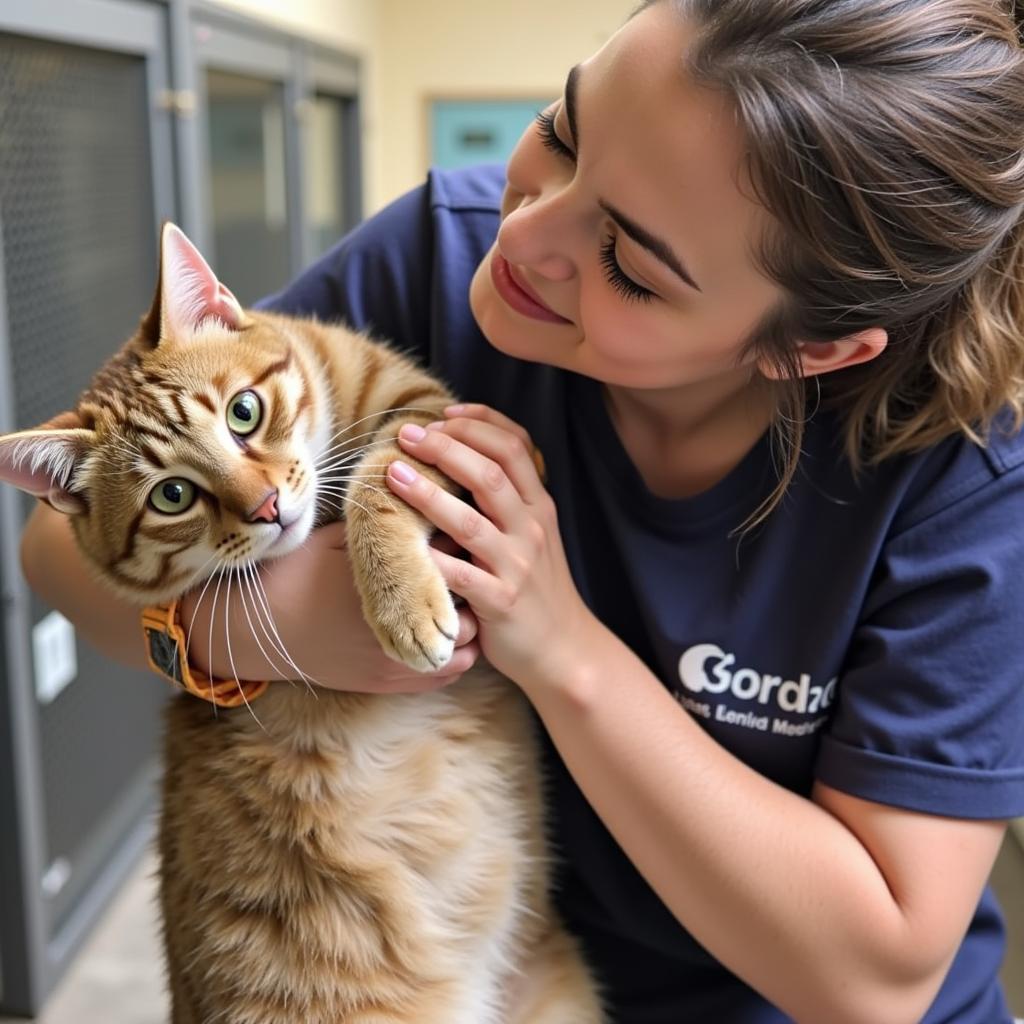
(53, 649)
(56, 877)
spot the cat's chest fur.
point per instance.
(385, 833)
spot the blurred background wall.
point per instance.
(414, 51)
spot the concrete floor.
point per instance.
(118, 977)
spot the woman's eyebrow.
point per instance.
(571, 84)
(657, 247)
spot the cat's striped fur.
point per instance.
(345, 859)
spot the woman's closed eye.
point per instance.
(629, 289)
(618, 278)
(549, 137)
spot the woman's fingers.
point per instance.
(487, 594)
(492, 464)
(465, 525)
(507, 444)
(486, 414)
(468, 627)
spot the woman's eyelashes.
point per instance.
(616, 276)
(549, 137)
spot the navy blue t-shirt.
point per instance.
(870, 634)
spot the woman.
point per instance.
(754, 288)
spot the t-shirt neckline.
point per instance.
(737, 493)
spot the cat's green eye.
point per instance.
(244, 413)
(174, 496)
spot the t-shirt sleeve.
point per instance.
(930, 705)
(375, 279)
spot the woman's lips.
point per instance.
(517, 296)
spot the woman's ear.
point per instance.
(817, 357)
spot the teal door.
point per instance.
(477, 131)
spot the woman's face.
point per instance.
(625, 247)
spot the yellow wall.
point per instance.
(348, 24)
(414, 49)
(466, 48)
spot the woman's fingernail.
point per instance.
(411, 432)
(436, 425)
(455, 410)
(402, 473)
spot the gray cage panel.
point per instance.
(79, 240)
(76, 194)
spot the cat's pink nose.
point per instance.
(267, 511)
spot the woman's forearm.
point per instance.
(57, 571)
(307, 617)
(772, 885)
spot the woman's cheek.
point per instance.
(603, 319)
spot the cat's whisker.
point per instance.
(346, 484)
(345, 459)
(344, 495)
(347, 454)
(307, 679)
(347, 442)
(347, 500)
(334, 503)
(349, 474)
(261, 592)
(127, 448)
(385, 412)
(243, 578)
(231, 659)
(195, 612)
(213, 616)
(351, 481)
(247, 580)
(195, 575)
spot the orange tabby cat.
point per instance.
(345, 858)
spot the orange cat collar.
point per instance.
(165, 651)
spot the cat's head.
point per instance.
(192, 449)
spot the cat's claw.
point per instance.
(425, 654)
(442, 630)
(425, 641)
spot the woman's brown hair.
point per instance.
(887, 139)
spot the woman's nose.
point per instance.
(538, 235)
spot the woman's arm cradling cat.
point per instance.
(317, 613)
(57, 571)
(309, 592)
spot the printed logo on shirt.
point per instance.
(706, 668)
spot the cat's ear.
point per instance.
(42, 462)
(188, 293)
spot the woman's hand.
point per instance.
(517, 582)
(317, 620)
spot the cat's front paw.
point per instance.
(419, 630)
